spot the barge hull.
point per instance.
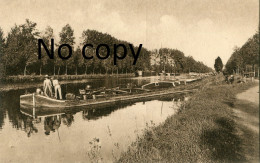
(26, 101)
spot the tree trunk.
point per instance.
(5, 67)
(117, 71)
(54, 69)
(258, 73)
(66, 69)
(59, 71)
(41, 70)
(76, 71)
(86, 70)
(254, 69)
(24, 72)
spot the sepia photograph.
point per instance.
(131, 81)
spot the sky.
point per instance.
(204, 29)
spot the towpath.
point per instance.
(247, 108)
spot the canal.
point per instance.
(78, 135)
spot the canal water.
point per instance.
(82, 135)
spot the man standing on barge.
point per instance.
(47, 86)
(57, 88)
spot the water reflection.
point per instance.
(114, 127)
(29, 126)
(21, 119)
(94, 114)
(24, 120)
(52, 123)
(67, 119)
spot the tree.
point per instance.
(2, 54)
(190, 64)
(67, 37)
(124, 65)
(218, 65)
(29, 36)
(46, 36)
(179, 60)
(247, 55)
(77, 60)
(21, 47)
(11, 51)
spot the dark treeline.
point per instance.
(174, 61)
(246, 58)
(19, 54)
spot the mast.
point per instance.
(164, 59)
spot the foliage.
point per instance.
(21, 48)
(18, 54)
(174, 61)
(218, 65)
(2, 59)
(96, 38)
(46, 36)
(245, 57)
(67, 37)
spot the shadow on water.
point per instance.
(24, 119)
(56, 129)
(224, 144)
(9, 106)
(9, 101)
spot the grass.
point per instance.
(37, 78)
(204, 130)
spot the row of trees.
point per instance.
(174, 61)
(19, 54)
(246, 58)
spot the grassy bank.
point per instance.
(37, 78)
(31, 81)
(204, 130)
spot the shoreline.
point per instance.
(4, 87)
(35, 78)
(38, 80)
(204, 130)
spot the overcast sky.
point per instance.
(203, 29)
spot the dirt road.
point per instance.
(247, 108)
(251, 95)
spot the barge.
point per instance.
(40, 101)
